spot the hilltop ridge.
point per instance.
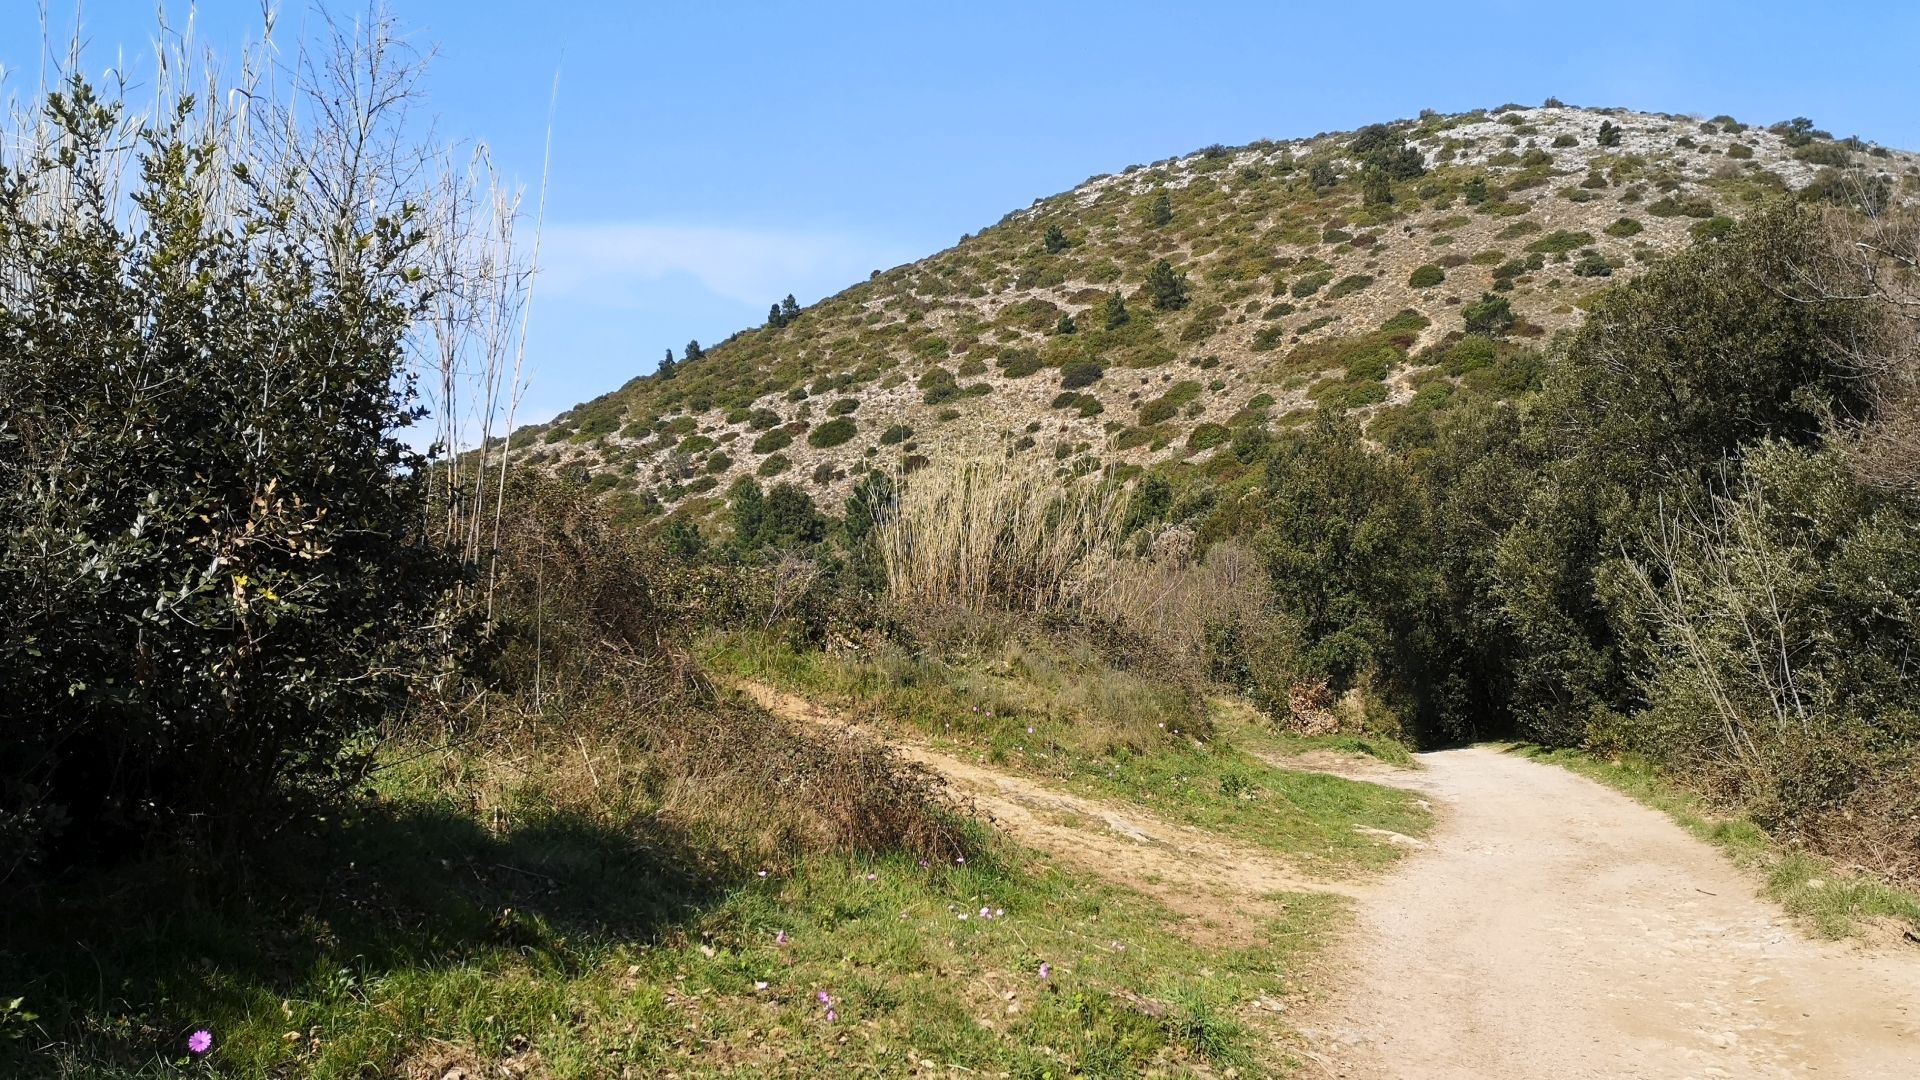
(1335, 271)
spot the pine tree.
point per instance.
(693, 352)
(1609, 134)
(774, 319)
(789, 309)
(749, 506)
(682, 539)
(1066, 324)
(667, 366)
(1322, 176)
(1375, 188)
(1167, 288)
(1160, 211)
(1056, 239)
(1116, 311)
(1476, 190)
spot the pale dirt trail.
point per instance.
(1227, 890)
(1554, 928)
(1550, 929)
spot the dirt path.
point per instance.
(1555, 928)
(1192, 871)
(1549, 928)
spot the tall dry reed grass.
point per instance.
(996, 536)
(987, 535)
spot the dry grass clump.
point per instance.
(990, 534)
(581, 700)
(1172, 598)
(732, 782)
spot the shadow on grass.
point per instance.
(120, 965)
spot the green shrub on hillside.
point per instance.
(1080, 374)
(1426, 277)
(832, 433)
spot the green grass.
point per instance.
(1831, 900)
(410, 934)
(1102, 733)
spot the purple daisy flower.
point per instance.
(200, 1041)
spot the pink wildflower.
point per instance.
(780, 938)
(1046, 971)
(200, 1041)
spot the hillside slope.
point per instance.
(1336, 271)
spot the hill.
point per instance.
(1334, 271)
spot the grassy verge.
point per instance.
(419, 936)
(1833, 901)
(1105, 733)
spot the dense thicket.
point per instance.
(209, 577)
(1687, 542)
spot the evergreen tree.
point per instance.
(774, 319)
(789, 309)
(667, 366)
(1066, 324)
(682, 539)
(1167, 287)
(872, 501)
(693, 352)
(1476, 190)
(1375, 188)
(1322, 176)
(1056, 239)
(791, 518)
(1609, 134)
(749, 506)
(1492, 315)
(1160, 211)
(1116, 311)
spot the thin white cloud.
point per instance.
(607, 261)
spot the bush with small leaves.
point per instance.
(1055, 240)
(1310, 284)
(1166, 287)
(1491, 315)
(777, 439)
(1624, 227)
(1609, 135)
(1349, 285)
(1561, 241)
(1081, 373)
(832, 433)
(1594, 265)
(898, 433)
(1713, 228)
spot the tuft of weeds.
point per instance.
(1062, 714)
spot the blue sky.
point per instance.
(710, 158)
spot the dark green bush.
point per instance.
(832, 433)
(1081, 373)
(1349, 285)
(212, 566)
(1490, 315)
(1426, 277)
(1561, 241)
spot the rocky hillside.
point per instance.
(1337, 271)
